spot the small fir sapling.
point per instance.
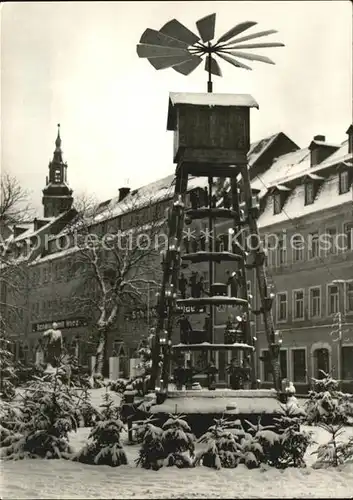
(11, 417)
(49, 414)
(151, 454)
(328, 408)
(8, 377)
(260, 445)
(222, 446)
(294, 441)
(104, 447)
(178, 442)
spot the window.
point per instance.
(315, 302)
(267, 369)
(332, 299)
(298, 304)
(309, 193)
(277, 203)
(330, 240)
(344, 182)
(347, 362)
(57, 175)
(282, 306)
(348, 231)
(313, 245)
(299, 365)
(281, 251)
(349, 296)
(298, 248)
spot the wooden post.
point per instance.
(242, 268)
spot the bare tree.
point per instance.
(14, 204)
(120, 260)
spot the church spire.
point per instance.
(57, 196)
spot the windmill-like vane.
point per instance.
(175, 46)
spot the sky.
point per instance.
(75, 63)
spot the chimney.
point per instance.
(350, 138)
(123, 192)
(320, 150)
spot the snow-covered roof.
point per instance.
(294, 207)
(259, 147)
(207, 99)
(288, 165)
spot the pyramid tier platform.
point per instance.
(202, 213)
(208, 346)
(202, 406)
(218, 300)
(203, 256)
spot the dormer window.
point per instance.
(344, 182)
(309, 193)
(277, 203)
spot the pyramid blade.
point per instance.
(188, 67)
(153, 37)
(215, 69)
(144, 50)
(179, 32)
(256, 45)
(251, 57)
(251, 37)
(239, 28)
(167, 62)
(206, 27)
(235, 63)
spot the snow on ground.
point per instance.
(51, 479)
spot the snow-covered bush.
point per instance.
(11, 418)
(222, 446)
(151, 454)
(330, 409)
(87, 414)
(28, 372)
(104, 447)
(178, 442)
(8, 377)
(49, 413)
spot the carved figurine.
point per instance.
(186, 241)
(214, 201)
(211, 375)
(54, 347)
(182, 285)
(202, 240)
(205, 197)
(200, 288)
(226, 200)
(207, 327)
(232, 283)
(194, 244)
(185, 329)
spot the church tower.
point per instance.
(57, 196)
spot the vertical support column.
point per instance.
(266, 301)
(211, 247)
(244, 288)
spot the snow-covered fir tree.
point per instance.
(178, 442)
(8, 377)
(330, 409)
(151, 454)
(222, 446)
(49, 413)
(294, 441)
(104, 446)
